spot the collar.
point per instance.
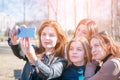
(106, 58)
(48, 53)
(78, 67)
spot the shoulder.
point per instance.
(59, 59)
(115, 60)
(111, 66)
(68, 71)
(113, 63)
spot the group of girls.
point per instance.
(90, 55)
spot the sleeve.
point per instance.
(90, 69)
(16, 50)
(108, 71)
(52, 71)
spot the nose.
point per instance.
(47, 37)
(81, 34)
(74, 51)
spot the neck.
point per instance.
(79, 63)
(49, 50)
(106, 58)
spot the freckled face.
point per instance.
(76, 53)
(82, 30)
(98, 52)
(48, 38)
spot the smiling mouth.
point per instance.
(74, 56)
(47, 42)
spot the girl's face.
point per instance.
(76, 53)
(82, 30)
(48, 38)
(98, 52)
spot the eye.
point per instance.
(84, 32)
(79, 49)
(52, 35)
(43, 34)
(71, 48)
(96, 45)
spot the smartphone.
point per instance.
(28, 32)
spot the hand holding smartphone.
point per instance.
(28, 32)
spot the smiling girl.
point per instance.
(107, 52)
(78, 53)
(45, 61)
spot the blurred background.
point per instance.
(68, 13)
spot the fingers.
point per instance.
(28, 42)
(29, 50)
(25, 44)
(12, 35)
(15, 31)
(22, 43)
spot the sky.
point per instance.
(38, 10)
(16, 9)
(9, 7)
(68, 13)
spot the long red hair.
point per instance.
(59, 48)
(92, 26)
(105, 39)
